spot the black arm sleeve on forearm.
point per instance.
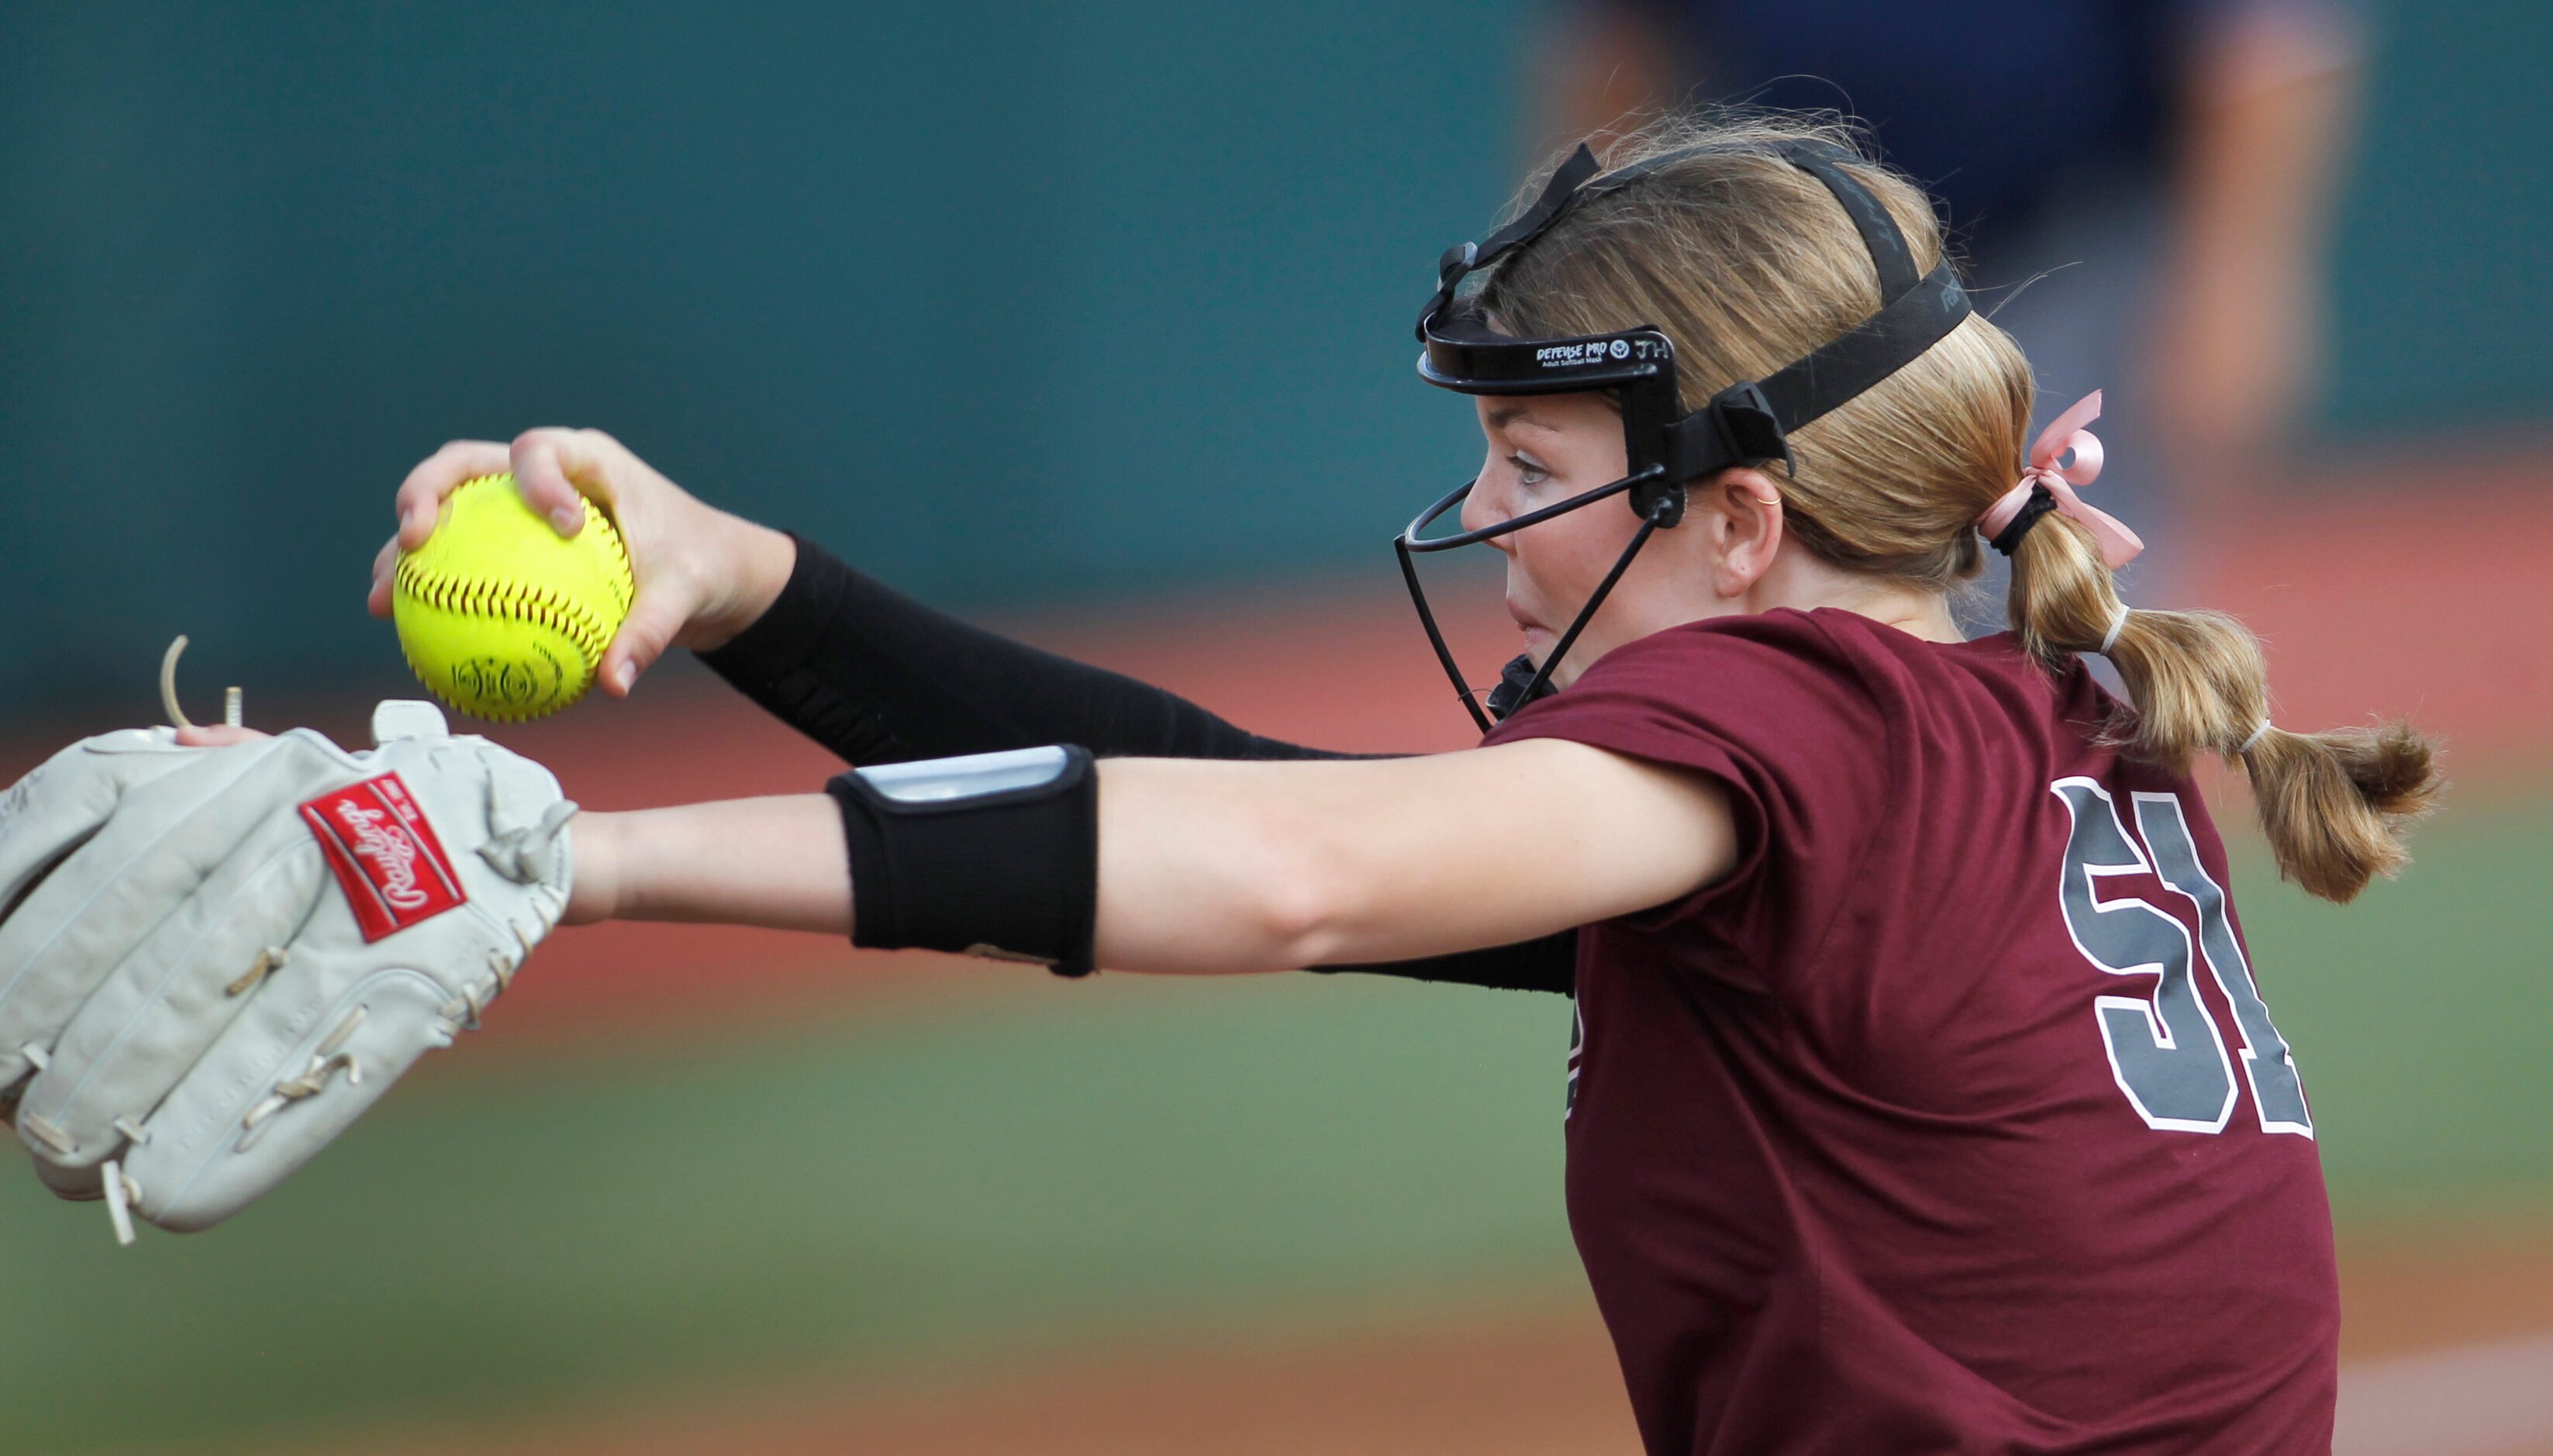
(881, 678)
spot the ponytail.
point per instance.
(2334, 805)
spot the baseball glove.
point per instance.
(213, 959)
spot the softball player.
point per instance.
(1924, 1095)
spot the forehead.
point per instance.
(1558, 414)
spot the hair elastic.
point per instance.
(2009, 518)
(2110, 638)
(2257, 734)
(2039, 502)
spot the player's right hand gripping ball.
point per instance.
(499, 614)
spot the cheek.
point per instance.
(1565, 558)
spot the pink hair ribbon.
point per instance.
(2119, 545)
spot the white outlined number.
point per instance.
(2164, 1050)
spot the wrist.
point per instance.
(594, 889)
(756, 564)
(777, 863)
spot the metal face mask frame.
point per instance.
(1747, 423)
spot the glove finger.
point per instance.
(158, 1010)
(62, 801)
(81, 1183)
(67, 1182)
(166, 838)
(289, 1075)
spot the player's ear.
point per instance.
(1741, 511)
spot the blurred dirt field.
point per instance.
(1529, 1378)
(702, 1190)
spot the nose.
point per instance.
(1488, 505)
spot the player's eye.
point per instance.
(1529, 473)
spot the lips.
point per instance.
(1535, 634)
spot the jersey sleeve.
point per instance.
(1777, 712)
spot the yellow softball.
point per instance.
(502, 618)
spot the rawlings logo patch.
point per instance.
(385, 855)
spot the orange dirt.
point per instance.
(1525, 1377)
(1532, 1379)
(2431, 1287)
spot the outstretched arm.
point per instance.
(1222, 867)
(873, 675)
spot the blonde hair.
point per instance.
(1747, 262)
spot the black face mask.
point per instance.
(1747, 423)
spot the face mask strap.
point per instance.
(1463, 259)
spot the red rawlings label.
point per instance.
(388, 860)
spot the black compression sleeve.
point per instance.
(1547, 964)
(881, 678)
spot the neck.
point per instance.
(1799, 579)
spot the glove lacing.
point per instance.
(462, 1013)
(330, 1054)
(325, 1058)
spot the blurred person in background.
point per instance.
(2143, 187)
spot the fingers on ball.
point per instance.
(547, 465)
(421, 494)
(385, 565)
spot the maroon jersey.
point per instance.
(1951, 1120)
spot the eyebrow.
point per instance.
(1500, 416)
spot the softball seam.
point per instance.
(509, 600)
(532, 604)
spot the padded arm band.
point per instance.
(995, 854)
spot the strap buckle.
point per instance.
(1748, 426)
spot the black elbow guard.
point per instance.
(992, 854)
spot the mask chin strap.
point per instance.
(1513, 679)
(1748, 423)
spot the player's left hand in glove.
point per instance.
(213, 959)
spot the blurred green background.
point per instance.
(1084, 313)
(1026, 302)
(1025, 299)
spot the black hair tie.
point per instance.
(2041, 501)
